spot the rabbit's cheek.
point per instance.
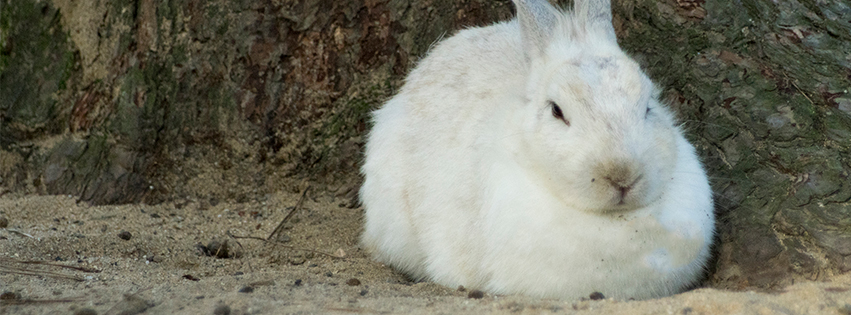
(659, 260)
(678, 243)
(677, 254)
(657, 183)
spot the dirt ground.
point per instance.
(60, 256)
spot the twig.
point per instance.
(19, 233)
(273, 237)
(26, 272)
(36, 262)
(247, 237)
(802, 92)
(8, 266)
(278, 243)
(280, 226)
(798, 88)
(33, 301)
(236, 240)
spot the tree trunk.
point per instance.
(156, 100)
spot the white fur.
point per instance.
(471, 180)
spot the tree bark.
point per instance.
(157, 100)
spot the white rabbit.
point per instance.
(533, 157)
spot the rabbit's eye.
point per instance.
(557, 112)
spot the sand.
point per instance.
(161, 266)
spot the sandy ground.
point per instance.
(163, 269)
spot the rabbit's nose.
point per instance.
(622, 176)
(623, 187)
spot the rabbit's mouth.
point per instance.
(625, 197)
(622, 191)
(621, 207)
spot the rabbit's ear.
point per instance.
(597, 15)
(537, 20)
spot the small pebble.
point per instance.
(597, 296)
(461, 288)
(85, 311)
(9, 296)
(363, 292)
(246, 290)
(124, 235)
(218, 249)
(190, 277)
(4, 222)
(151, 257)
(353, 282)
(283, 238)
(475, 294)
(297, 282)
(329, 274)
(222, 310)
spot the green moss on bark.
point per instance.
(758, 85)
(35, 63)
